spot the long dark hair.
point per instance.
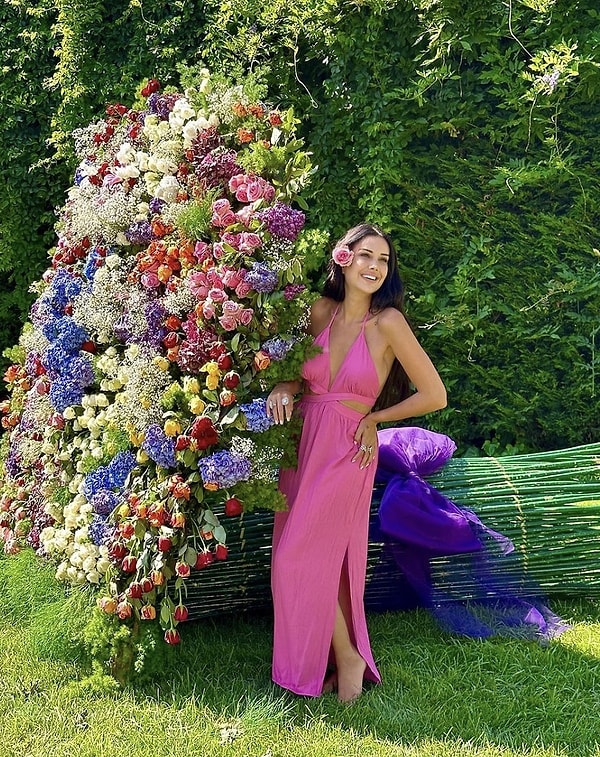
(389, 295)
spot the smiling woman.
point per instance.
(320, 543)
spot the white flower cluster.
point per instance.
(98, 309)
(145, 377)
(180, 299)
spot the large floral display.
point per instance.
(136, 424)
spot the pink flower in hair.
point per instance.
(343, 256)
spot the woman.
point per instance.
(320, 543)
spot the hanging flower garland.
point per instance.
(175, 298)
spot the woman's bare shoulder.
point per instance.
(320, 314)
(391, 318)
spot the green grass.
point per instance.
(441, 697)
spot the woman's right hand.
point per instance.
(280, 402)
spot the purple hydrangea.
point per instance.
(156, 205)
(140, 232)
(291, 291)
(104, 502)
(261, 278)
(283, 221)
(256, 415)
(277, 348)
(216, 168)
(224, 469)
(162, 105)
(159, 447)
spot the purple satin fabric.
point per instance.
(416, 523)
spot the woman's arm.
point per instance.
(430, 392)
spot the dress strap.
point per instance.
(335, 312)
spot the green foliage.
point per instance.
(467, 131)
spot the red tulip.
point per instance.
(224, 362)
(124, 610)
(147, 584)
(203, 560)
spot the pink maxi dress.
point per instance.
(325, 529)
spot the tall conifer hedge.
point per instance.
(469, 131)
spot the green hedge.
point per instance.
(467, 130)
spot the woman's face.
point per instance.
(369, 267)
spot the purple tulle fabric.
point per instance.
(416, 524)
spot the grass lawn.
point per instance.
(442, 697)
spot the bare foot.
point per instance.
(350, 673)
(330, 683)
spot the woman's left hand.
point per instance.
(366, 439)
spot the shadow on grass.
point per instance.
(509, 693)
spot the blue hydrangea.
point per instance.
(256, 415)
(159, 447)
(100, 531)
(109, 477)
(64, 393)
(65, 332)
(224, 469)
(94, 261)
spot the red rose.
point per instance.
(204, 432)
(147, 584)
(182, 569)
(182, 442)
(203, 560)
(152, 86)
(117, 552)
(134, 590)
(224, 362)
(173, 323)
(231, 380)
(181, 613)
(89, 346)
(171, 340)
(172, 636)
(221, 552)
(164, 544)
(233, 507)
(148, 612)
(129, 564)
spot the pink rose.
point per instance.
(343, 256)
(208, 310)
(217, 295)
(243, 289)
(236, 181)
(249, 242)
(254, 190)
(231, 277)
(202, 252)
(231, 239)
(228, 322)
(231, 308)
(245, 215)
(268, 192)
(217, 250)
(150, 280)
(245, 316)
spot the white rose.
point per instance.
(92, 577)
(103, 565)
(168, 189)
(165, 166)
(125, 154)
(61, 571)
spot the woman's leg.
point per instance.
(350, 666)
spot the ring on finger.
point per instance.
(369, 449)
(363, 448)
(285, 401)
